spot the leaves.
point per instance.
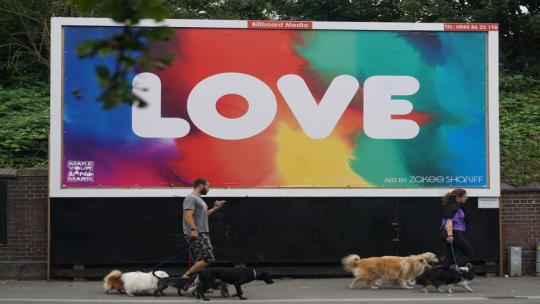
(24, 32)
(520, 128)
(24, 117)
(130, 48)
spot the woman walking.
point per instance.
(453, 226)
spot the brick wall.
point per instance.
(520, 224)
(25, 253)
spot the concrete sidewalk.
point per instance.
(488, 290)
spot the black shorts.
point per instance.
(201, 248)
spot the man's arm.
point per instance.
(188, 218)
(217, 206)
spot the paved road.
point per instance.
(487, 290)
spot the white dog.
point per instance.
(133, 282)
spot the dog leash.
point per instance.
(454, 255)
(168, 259)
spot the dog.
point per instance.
(387, 268)
(235, 276)
(179, 283)
(451, 276)
(182, 285)
(413, 266)
(113, 281)
(133, 282)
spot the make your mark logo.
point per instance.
(80, 171)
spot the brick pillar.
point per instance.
(520, 222)
(24, 255)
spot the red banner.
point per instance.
(281, 25)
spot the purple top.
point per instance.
(458, 221)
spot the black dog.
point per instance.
(234, 276)
(215, 285)
(451, 276)
(176, 282)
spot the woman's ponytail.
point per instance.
(453, 195)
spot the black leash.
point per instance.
(454, 255)
(168, 259)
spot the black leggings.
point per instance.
(462, 249)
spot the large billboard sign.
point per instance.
(267, 108)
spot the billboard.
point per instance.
(270, 108)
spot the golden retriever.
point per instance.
(387, 268)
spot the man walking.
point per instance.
(195, 225)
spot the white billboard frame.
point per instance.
(56, 111)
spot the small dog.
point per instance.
(387, 268)
(440, 276)
(133, 282)
(215, 285)
(234, 276)
(113, 281)
(163, 282)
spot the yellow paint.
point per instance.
(303, 161)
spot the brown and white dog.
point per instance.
(113, 281)
(387, 268)
(133, 283)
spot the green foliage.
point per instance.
(25, 37)
(130, 48)
(520, 128)
(24, 117)
(232, 9)
(129, 12)
(24, 61)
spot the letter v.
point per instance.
(318, 120)
(147, 122)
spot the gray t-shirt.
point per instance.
(200, 213)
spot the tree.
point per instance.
(24, 49)
(130, 48)
(520, 128)
(25, 38)
(24, 117)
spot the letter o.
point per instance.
(262, 106)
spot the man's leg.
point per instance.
(204, 255)
(199, 253)
(199, 265)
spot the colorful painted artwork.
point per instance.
(337, 109)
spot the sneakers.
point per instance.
(191, 289)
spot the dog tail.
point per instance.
(113, 281)
(349, 262)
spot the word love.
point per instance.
(316, 119)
